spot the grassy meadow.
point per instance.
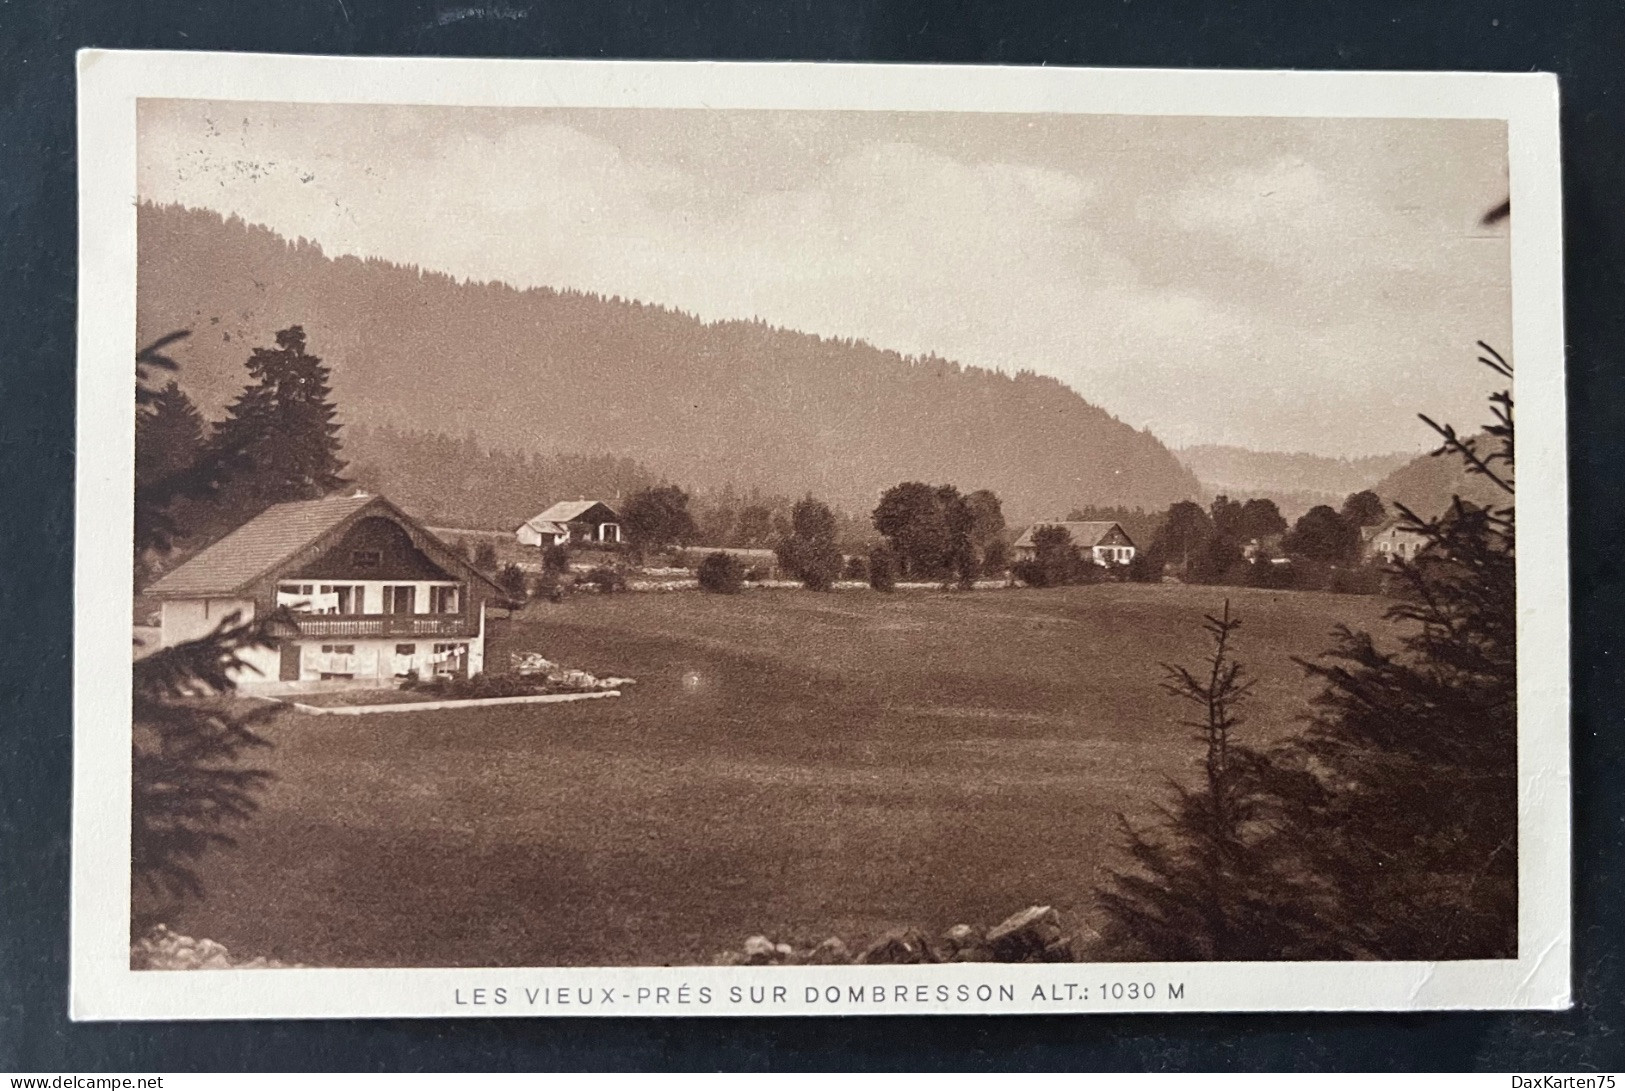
(791, 763)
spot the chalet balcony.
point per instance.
(387, 625)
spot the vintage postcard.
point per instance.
(585, 538)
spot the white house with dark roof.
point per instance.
(1391, 542)
(374, 597)
(572, 522)
(1105, 543)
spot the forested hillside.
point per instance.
(1426, 485)
(1296, 481)
(708, 405)
(451, 481)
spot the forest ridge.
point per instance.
(709, 404)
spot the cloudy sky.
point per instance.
(1282, 284)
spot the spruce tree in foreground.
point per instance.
(188, 782)
(1416, 833)
(1206, 882)
(1388, 829)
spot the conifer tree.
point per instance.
(281, 429)
(169, 435)
(173, 470)
(1416, 747)
(188, 783)
(1208, 881)
(1388, 829)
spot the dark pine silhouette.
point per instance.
(1207, 881)
(282, 429)
(188, 781)
(1417, 746)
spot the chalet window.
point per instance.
(366, 558)
(443, 600)
(450, 658)
(338, 649)
(406, 649)
(299, 597)
(400, 599)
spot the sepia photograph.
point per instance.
(970, 548)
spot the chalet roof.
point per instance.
(1395, 524)
(1084, 535)
(275, 537)
(565, 511)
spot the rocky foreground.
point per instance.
(162, 949)
(1032, 935)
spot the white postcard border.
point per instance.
(104, 987)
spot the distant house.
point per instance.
(1391, 542)
(1266, 548)
(1105, 543)
(571, 522)
(375, 597)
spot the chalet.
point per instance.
(572, 522)
(1105, 543)
(373, 596)
(1392, 542)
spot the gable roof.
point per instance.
(565, 511)
(281, 533)
(1393, 525)
(1085, 534)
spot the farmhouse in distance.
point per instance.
(1393, 541)
(374, 596)
(1106, 543)
(571, 522)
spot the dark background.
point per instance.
(1584, 42)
